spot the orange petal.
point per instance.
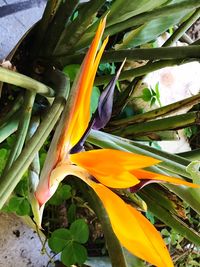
(81, 110)
(143, 174)
(133, 230)
(112, 167)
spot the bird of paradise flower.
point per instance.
(110, 168)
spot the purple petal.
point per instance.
(79, 146)
(104, 111)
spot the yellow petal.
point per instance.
(80, 113)
(112, 167)
(143, 174)
(133, 230)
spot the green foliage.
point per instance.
(62, 193)
(69, 242)
(94, 99)
(79, 231)
(107, 68)
(193, 170)
(150, 31)
(71, 34)
(3, 158)
(151, 95)
(191, 131)
(71, 213)
(19, 205)
(71, 71)
(172, 237)
(120, 11)
(19, 202)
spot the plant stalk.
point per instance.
(25, 82)
(182, 28)
(130, 74)
(15, 173)
(22, 130)
(166, 110)
(169, 123)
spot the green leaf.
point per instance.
(94, 99)
(22, 188)
(59, 239)
(73, 253)
(157, 90)
(150, 30)
(150, 216)
(20, 205)
(71, 71)
(3, 158)
(62, 193)
(107, 68)
(193, 169)
(146, 95)
(152, 102)
(121, 11)
(79, 230)
(71, 213)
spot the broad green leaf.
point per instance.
(62, 193)
(59, 239)
(193, 169)
(22, 188)
(76, 29)
(121, 10)
(146, 94)
(94, 99)
(79, 230)
(150, 30)
(71, 71)
(20, 205)
(73, 253)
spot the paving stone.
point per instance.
(16, 20)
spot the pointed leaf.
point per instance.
(150, 30)
(120, 11)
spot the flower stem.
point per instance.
(166, 110)
(25, 82)
(182, 28)
(147, 128)
(130, 74)
(22, 130)
(15, 173)
(134, 54)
